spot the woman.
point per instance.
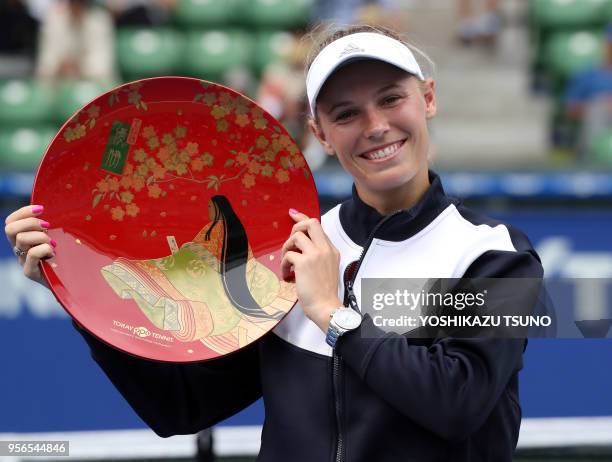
(211, 289)
(336, 386)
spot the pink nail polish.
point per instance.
(44, 224)
(293, 211)
(37, 209)
(53, 243)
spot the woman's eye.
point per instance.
(390, 100)
(344, 115)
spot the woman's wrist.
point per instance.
(321, 314)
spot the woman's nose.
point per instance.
(376, 124)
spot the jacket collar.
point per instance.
(358, 219)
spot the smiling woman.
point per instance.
(336, 385)
(370, 110)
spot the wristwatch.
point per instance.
(342, 320)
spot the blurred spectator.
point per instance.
(282, 93)
(77, 42)
(39, 8)
(588, 99)
(140, 12)
(281, 90)
(18, 30)
(350, 11)
(478, 27)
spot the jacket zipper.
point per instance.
(351, 301)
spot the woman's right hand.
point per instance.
(28, 233)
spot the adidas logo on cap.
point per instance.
(350, 48)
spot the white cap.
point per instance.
(353, 47)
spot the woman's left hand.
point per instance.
(314, 260)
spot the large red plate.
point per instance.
(132, 185)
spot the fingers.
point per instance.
(27, 232)
(298, 241)
(310, 226)
(288, 263)
(13, 228)
(33, 258)
(24, 212)
(28, 239)
(297, 216)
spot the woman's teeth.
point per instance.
(382, 153)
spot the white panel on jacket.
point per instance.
(445, 248)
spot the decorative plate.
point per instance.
(168, 199)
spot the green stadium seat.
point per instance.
(205, 13)
(24, 102)
(211, 54)
(148, 52)
(22, 148)
(74, 95)
(569, 52)
(271, 47)
(601, 148)
(276, 14)
(564, 14)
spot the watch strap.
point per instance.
(334, 332)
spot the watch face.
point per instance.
(347, 319)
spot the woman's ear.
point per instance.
(429, 93)
(320, 136)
